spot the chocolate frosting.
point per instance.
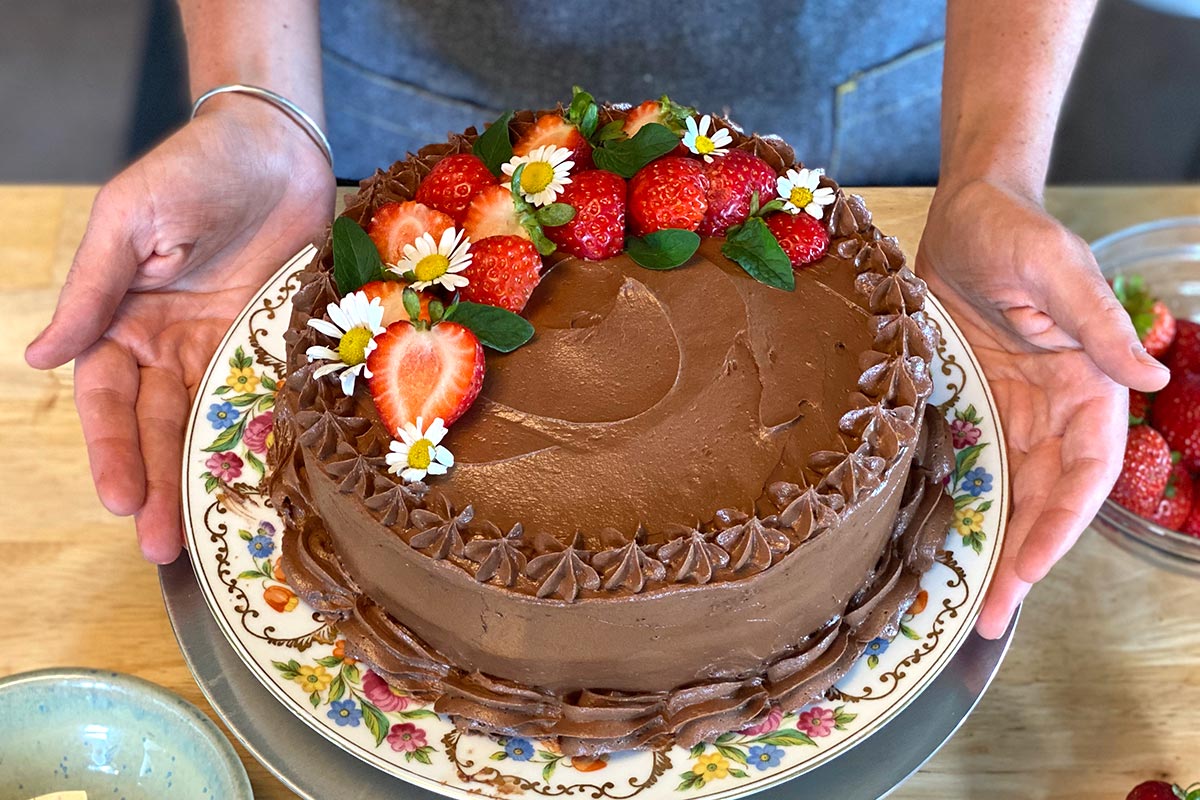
(672, 451)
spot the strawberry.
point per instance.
(504, 272)
(1153, 322)
(424, 372)
(1144, 471)
(452, 183)
(1176, 502)
(732, 179)
(1176, 414)
(552, 129)
(1191, 525)
(1139, 407)
(671, 192)
(597, 230)
(397, 224)
(492, 213)
(1161, 790)
(803, 238)
(662, 111)
(1184, 355)
(390, 295)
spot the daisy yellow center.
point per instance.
(536, 176)
(420, 454)
(704, 145)
(352, 349)
(800, 197)
(431, 267)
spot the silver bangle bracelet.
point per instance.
(279, 101)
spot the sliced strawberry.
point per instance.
(803, 238)
(1184, 355)
(427, 372)
(661, 111)
(1176, 414)
(1144, 471)
(671, 192)
(597, 230)
(1153, 322)
(552, 129)
(733, 179)
(453, 182)
(390, 294)
(1176, 501)
(492, 213)
(397, 224)
(504, 271)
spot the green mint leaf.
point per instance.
(355, 259)
(626, 156)
(555, 214)
(591, 118)
(613, 130)
(754, 249)
(494, 146)
(412, 304)
(665, 249)
(497, 328)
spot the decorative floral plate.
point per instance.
(233, 535)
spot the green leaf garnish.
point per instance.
(544, 246)
(674, 115)
(754, 248)
(665, 249)
(355, 259)
(497, 328)
(555, 214)
(626, 156)
(613, 130)
(494, 145)
(528, 216)
(583, 112)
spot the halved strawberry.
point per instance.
(803, 238)
(671, 192)
(661, 111)
(552, 129)
(504, 271)
(733, 179)
(597, 230)
(492, 213)
(424, 372)
(453, 182)
(390, 294)
(397, 224)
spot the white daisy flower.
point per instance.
(419, 452)
(547, 171)
(437, 263)
(696, 139)
(356, 323)
(799, 191)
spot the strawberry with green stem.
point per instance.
(1151, 319)
(1161, 790)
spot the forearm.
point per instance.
(1008, 63)
(270, 43)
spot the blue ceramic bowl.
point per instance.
(114, 736)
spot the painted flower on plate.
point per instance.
(977, 481)
(963, 434)
(382, 695)
(222, 416)
(711, 767)
(258, 431)
(345, 712)
(968, 521)
(405, 737)
(768, 724)
(802, 193)
(700, 141)
(281, 598)
(339, 651)
(820, 721)
(428, 262)
(313, 679)
(265, 528)
(878, 646)
(242, 379)
(225, 466)
(765, 756)
(260, 546)
(547, 172)
(419, 452)
(518, 749)
(356, 321)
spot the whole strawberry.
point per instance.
(1184, 355)
(504, 271)
(732, 180)
(671, 192)
(1153, 322)
(452, 183)
(1176, 414)
(1191, 525)
(597, 230)
(1161, 790)
(803, 238)
(1144, 471)
(1139, 407)
(1177, 500)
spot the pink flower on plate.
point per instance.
(769, 723)
(963, 434)
(406, 737)
(381, 694)
(816, 721)
(225, 466)
(257, 431)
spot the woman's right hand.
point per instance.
(176, 245)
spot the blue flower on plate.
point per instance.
(977, 481)
(345, 712)
(260, 546)
(877, 647)
(765, 756)
(222, 416)
(518, 749)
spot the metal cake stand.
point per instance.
(316, 769)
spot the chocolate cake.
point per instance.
(691, 496)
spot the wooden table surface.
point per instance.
(1100, 691)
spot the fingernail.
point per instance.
(1139, 352)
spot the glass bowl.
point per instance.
(1166, 253)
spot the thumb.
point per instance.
(100, 275)
(1082, 304)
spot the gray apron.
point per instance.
(854, 85)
